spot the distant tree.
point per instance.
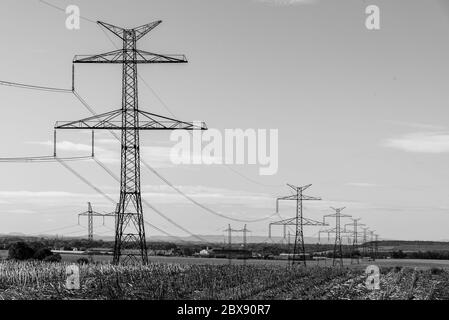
(20, 251)
(53, 258)
(42, 253)
(398, 254)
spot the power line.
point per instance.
(160, 99)
(146, 164)
(149, 205)
(43, 159)
(82, 178)
(155, 172)
(198, 203)
(65, 159)
(63, 10)
(55, 229)
(79, 176)
(34, 87)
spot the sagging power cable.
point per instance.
(149, 205)
(90, 184)
(34, 87)
(43, 159)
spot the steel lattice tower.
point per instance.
(244, 231)
(299, 221)
(376, 246)
(338, 251)
(129, 119)
(372, 244)
(90, 213)
(355, 255)
(365, 240)
(229, 230)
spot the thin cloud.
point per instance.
(52, 198)
(416, 125)
(420, 142)
(361, 184)
(67, 146)
(204, 194)
(18, 211)
(287, 2)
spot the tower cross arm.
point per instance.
(299, 188)
(113, 121)
(140, 31)
(291, 197)
(310, 222)
(305, 197)
(335, 215)
(306, 222)
(122, 55)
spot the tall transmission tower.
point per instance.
(365, 241)
(372, 245)
(355, 254)
(337, 257)
(376, 246)
(245, 234)
(299, 221)
(244, 231)
(129, 119)
(229, 231)
(90, 213)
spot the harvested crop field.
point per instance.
(40, 280)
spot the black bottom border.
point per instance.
(198, 309)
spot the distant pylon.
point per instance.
(365, 241)
(244, 231)
(229, 230)
(376, 246)
(355, 254)
(90, 213)
(337, 257)
(299, 221)
(372, 245)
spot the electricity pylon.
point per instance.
(129, 119)
(299, 221)
(337, 257)
(365, 241)
(90, 213)
(245, 231)
(355, 245)
(376, 246)
(372, 247)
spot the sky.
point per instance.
(361, 114)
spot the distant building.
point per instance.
(230, 253)
(99, 251)
(297, 256)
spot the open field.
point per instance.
(411, 263)
(39, 280)
(169, 277)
